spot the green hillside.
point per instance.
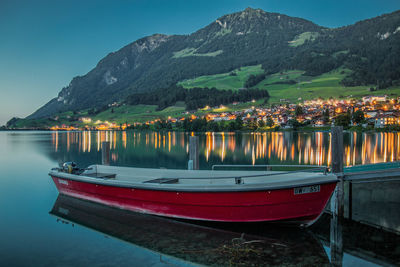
(323, 86)
(119, 115)
(284, 76)
(138, 113)
(227, 81)
(290, 85)
(301, 38)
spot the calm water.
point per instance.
(169, 149)
(40, 228)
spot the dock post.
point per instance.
(337, 168)
(336, 241)
(194, 152)
(337, 201)
(337, 149)
(105, 153)
(350, 200)
(190, 165)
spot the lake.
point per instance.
(39, 227)
(170, 149)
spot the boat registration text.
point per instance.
(307, 189)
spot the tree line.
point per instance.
(202, 125)
(195, 98)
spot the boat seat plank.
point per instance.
(102, 175)
(163, 181)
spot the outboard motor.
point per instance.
(69, 167)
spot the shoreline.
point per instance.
(305, 130)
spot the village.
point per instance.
(368, 112)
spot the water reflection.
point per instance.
(250, 245)
(353, 243)
(243, 148)
(328, 242)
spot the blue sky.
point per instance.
(45, 43)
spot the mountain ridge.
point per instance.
(244, 38)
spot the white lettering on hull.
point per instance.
(64, 182)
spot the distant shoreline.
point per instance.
(320, 129)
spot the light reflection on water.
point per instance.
(250, 148)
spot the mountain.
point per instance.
(370, 49)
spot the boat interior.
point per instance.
(205, 177)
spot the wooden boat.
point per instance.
(228, 196)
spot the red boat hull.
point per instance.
(249, 206)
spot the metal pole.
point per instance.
(105, 153)
(194, 152)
